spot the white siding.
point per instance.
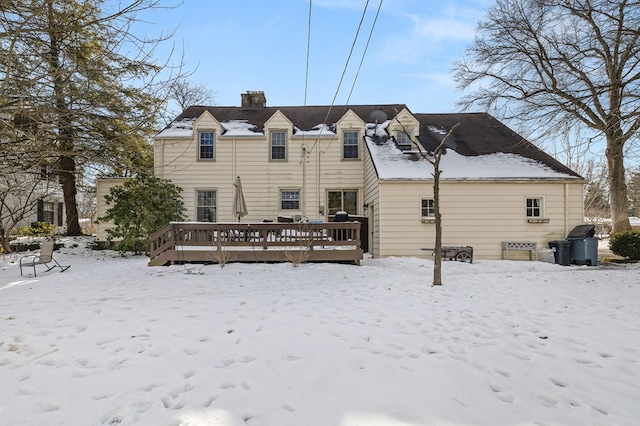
(102, 188)
(479, 214)
(313, 166)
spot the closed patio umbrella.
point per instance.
(239, 206)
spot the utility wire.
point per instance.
(344, 71)
(306, 75)
(364, 53)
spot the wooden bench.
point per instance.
(531, 247)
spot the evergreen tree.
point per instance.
(62, 63)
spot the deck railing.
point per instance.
(180, 242)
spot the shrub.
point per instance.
(38, 229)
(626, 244)
(138, 208)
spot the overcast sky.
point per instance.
(240, 45)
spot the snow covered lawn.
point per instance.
(112, 341)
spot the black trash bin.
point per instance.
(584, 246)
(561, 251)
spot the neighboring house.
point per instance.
(31, 197)
(311, 162)
(30, 191)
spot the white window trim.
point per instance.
(357, 144)
(215, 144)
(196, 205)
(286, 145)
(401, 134)
(427, 219)
(280, 200)
(542, 218)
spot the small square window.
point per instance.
(290, 200)
(534, 207)
(206, 146)
(350, 145)
(427, 208)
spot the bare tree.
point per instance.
(19, 195)
(556, 64)
(183, 93)
(434, 158)
(186, 93)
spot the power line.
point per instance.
(364, 53)
(306, 75)
(353, 45)
(344, 71)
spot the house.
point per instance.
(31, 197)
(30, 191)
(310, 162)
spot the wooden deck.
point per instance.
(203, 242)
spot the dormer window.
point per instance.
(403, 140)
(278, 145)
(350, 145)
(206, 145)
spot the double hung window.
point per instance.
(206, 206)
(206, 146)
(350, 145)
(278, 145)
(290, 199)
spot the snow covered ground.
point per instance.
(112, 341)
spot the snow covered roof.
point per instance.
(240, 128)
(480, 147)
(307, 119)
(179, 128)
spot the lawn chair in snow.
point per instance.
(43, 258)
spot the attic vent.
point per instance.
(253, 99)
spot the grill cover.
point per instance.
(581, 232)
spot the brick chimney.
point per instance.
(253, 99)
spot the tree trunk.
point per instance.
(65, 142)
(617, 184)
(68, 180)
(437, 261)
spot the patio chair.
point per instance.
(43, 258)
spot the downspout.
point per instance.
(320, 207)
(304, 180)
(566, 208)
(233, 163)
(161, 170)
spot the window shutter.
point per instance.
(60, 209)
(40, 211)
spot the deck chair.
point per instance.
(43, 258)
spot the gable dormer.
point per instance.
(206, 130)
(404, 130)
(350, 129)
(278, 130)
